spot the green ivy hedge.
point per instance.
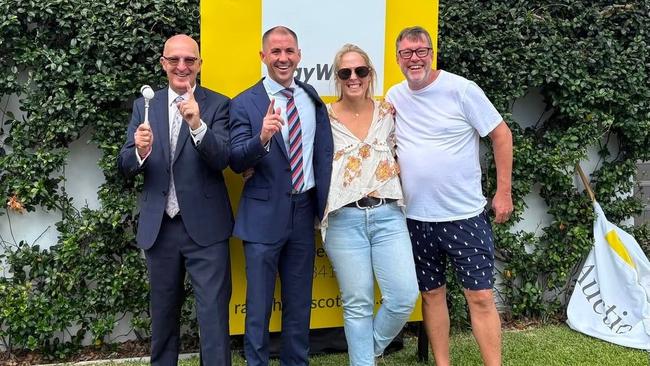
(78, 65)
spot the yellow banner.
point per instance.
(231, 33)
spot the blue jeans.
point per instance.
(360, 242)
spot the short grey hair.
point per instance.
(413, 33)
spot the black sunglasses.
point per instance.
(174, 61)
(346, 73)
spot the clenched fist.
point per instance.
(143, 139)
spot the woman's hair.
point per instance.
(337, 66)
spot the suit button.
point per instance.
(164, 192)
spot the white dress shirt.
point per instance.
(307, 114)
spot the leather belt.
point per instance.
(369, 202)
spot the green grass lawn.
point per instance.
(544, 346)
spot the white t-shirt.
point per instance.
(437, 131)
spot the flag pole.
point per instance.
(585, 182)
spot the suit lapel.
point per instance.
(184, 133)
(311, 92)
(159, 119)
(261, 101)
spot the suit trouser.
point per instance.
(293, 259)
(173, 254)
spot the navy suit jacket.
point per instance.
(200, 187)
(265, 205)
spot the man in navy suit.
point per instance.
(280, 130)
(185, 214)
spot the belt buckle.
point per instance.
(381, 202)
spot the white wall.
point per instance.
(83, 178)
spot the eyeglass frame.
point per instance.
(175, 61)
(414, 52)
(350, 69)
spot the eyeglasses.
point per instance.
(346, 72)
(174, 61)
(420, 52)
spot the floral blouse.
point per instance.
(363, 168)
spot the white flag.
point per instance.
(610, 300)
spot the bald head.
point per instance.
(181, 61)
(181, 40)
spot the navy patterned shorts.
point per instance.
(467, 242)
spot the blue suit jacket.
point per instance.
(265, 205)
(200, 187)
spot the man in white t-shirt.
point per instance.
(439, 121)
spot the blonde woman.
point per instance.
(364, 227)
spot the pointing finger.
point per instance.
(277, 113)
(270, 110)
(189, 91)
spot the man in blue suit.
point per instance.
(185, 214)
(280, 130)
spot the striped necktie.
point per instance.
(295, 142)
(172, 201)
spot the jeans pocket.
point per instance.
(334, 213)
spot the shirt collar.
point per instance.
(171, 95)
(273, 87)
